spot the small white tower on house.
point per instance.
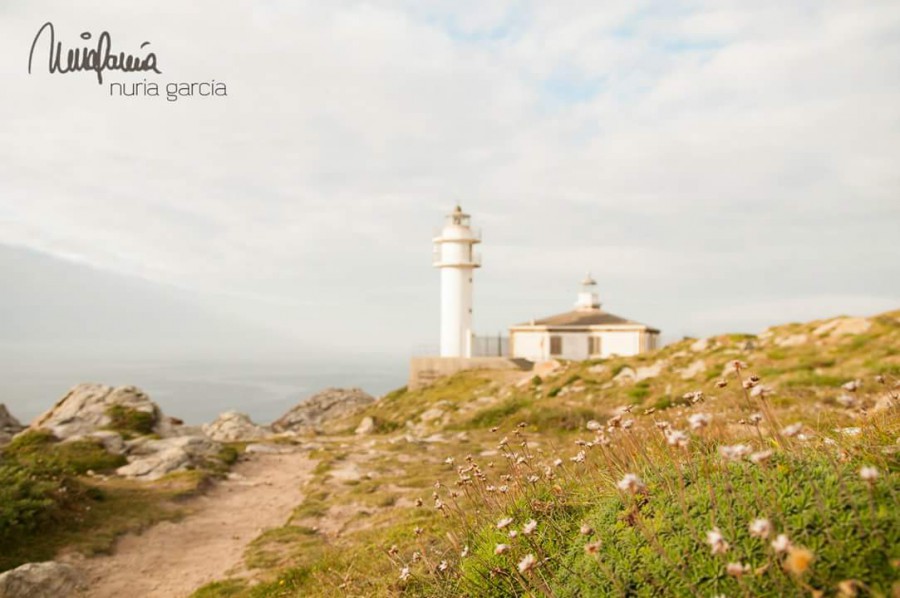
(454, 255)
(588, 299)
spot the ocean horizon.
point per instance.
(198, 391)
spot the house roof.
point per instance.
(581, 318)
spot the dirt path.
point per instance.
(171, 560)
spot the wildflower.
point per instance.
(792, 430)
(443, 566)
(503, 442)
(614, 421)
(404, 573)
(627, 424)
(418, 502)
(579, 458)
(722, 383)
(630, 482)
(393, 550)
(677, 438)
(465, 552)
(880, 379)
(798, 560)
(737, 569)
(738, 365)
(781, 543)
(699, 420)
(557, 462)
(529, 527)
(418, 531)
(749, 383)
(501, 549)
(503, 489)
(438, 504)
(868, 474)
(592, 547)
(760, 457)
(504, 522)
(663, 425)
(449, 460)
(527, 564)
(851, 386)
(847, 589)
(716, 541)
(756, 418)
(586, 530)
(760, 528)
(735, 452)
(761, 391)
(513, 534)
(593, 425)
(534, 479)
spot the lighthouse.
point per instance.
(455, 257)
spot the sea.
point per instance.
(196, 391)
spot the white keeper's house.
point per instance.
(587, 332)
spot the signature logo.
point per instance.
(99, 59)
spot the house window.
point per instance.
(593, 345)
(555, 345)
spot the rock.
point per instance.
(150, 459)
(233, 426)
(650, 371)
(366, 426)
(700, 345)
(40, 580)
(626, 374)
(83, 409)
(266, 449)
(693, 369)
(9, 426)
(545, 368)
(793, 340)
(598, 369)
(321, 407)
(842, 326)
(432, 414)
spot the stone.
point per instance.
(842, 326)
(626, 374)
(650, 371)
(545, 368)
(793, 340)
(150, 459)
(700, 345)
(432, 414)
(326, 405)
(598, 369)
(9, 426)
(233, 426)
(83, 409)
(40, 580)
(366, 426)
(693, 369)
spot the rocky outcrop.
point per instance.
(233, 426)
(40, 580)
(86, 409)
(150, 459)
(326, 405)
(9, 426)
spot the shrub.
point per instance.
(130, 421)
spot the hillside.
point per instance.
(622, 476)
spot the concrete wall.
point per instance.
(534, 345)
(425, 370)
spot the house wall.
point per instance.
(534, 345)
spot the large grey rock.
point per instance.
(40, 580)
(321, 407)
(150, 459)
(233, 426)
(83, 409)
(9, 426)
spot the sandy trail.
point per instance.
(172, 560)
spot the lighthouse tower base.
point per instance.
(426, 370)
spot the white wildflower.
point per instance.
(735, 452)
(760, 528)
(699, 420)
(501, 549)
(868, 474)
(529, 527)
(527, 564)
(630, 482)
(716, 541)
(781, 543)
(504, 522)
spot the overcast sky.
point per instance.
(718, 166)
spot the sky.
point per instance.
(717, 165)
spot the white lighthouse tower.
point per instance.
(455, 256)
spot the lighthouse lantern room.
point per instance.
(454, 255)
